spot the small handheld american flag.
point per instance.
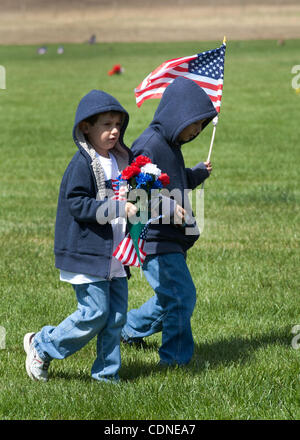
(206, 69)
(126, 251)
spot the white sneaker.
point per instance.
(36, 368)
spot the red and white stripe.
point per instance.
(154, 85)
(126, 252)
(119, 194)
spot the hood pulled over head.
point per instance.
(183, 103)
(95, 102)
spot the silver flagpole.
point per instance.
(214, 121)
(201, 197)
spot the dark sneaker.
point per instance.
(138, 342)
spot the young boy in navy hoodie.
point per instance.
(90, 223)
(183, 112)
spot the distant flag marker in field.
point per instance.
(42, 50)
(117, 69)
(206, 69)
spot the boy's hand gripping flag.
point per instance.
(206, 69)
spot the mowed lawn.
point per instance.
(245, 265)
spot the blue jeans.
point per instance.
(101, 311)
(169, 310)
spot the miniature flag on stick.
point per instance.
(131, 249)
(206, 69)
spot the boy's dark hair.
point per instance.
(94, 118)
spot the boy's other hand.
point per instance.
(130, 209)
(179, 214)
(208, 166)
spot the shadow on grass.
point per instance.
(129, 372)
(146, 345)
(207, 355)
(69, 375)
(133, 364)
(236, 349)
(213, 354)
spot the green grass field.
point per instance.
(245, 265)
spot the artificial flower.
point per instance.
(157, 184)
(150, 168)
(130, 171)
(142, 180)
(141, 161)
(164, 179)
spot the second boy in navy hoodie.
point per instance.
(183, 112)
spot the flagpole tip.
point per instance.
(224, 40)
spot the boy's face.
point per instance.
(191, 131)
(105, 133)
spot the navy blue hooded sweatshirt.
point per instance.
(82, 244)
(183, 103)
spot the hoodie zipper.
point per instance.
(110, 260)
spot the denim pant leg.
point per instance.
(80, 327)
(171, 279)
(144, 321)
(170, 310)
(108, 360)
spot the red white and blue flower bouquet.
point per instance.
(138, 180)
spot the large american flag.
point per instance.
(206, 69)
